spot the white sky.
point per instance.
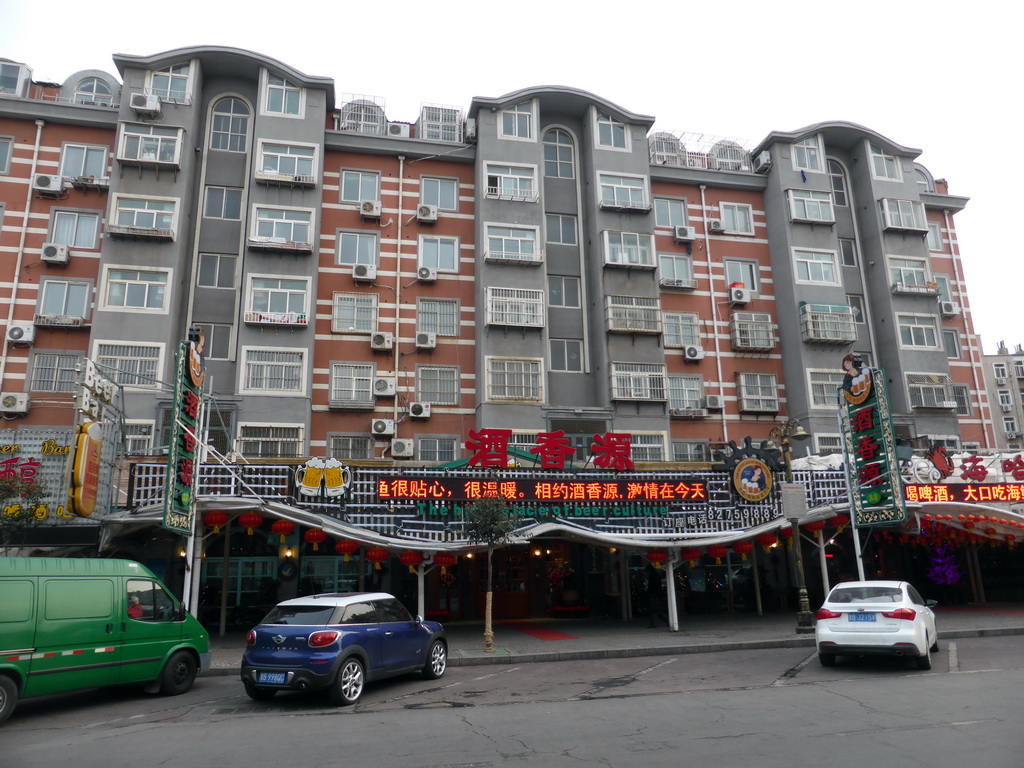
(938, 75)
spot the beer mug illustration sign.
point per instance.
(318, 476)
(336, 477)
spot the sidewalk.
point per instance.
(520, 642)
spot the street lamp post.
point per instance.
(794, 506)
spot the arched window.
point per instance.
(362, 116)
(230, 128)
(558, 154)
(730, 156)
(838, 178)
(924, 180)
(666, 149)
(93, 91)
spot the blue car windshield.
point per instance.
(300, 614)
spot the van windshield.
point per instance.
(300, 614)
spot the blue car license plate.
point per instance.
(271, 677)
(861, 616)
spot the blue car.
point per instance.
(339, 642)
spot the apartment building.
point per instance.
(1004, 377)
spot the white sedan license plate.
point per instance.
(272, 677)
(861, 616)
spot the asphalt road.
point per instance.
(774, 707)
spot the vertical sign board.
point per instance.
(183, 449)
(876, 491)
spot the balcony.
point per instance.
(514, 257)
(135, 233)
(827, 323)
(678, 283)
(752, 332)
(279, 244)
(276, 318)
(284, 179)
(916, 289)
(688, 413)
(59, 321)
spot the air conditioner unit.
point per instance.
(402, 449)
(688, 413)
(1012, 435)
(763, 163)
(693, 353)
(145, 103)
(364, 272)
(402, 130)
(470, 132)
(715, 225)
(14, 402)
(1007, 408)
(1000, 381)
(714, 402)
(685, 234)
(947, 404)
(383, 427)
(427, 213)
(739, 296)
(949, 308)
(426, 340)
(419, 410)
(45, 184)
(384, 387)
(370, 209)
(426, 274)
(55, 253)
(21, 334)
(382, 340)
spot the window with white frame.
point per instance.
(514, 378)
(856, 302)
(1018, 368)
(685, 391)
(75, 229)
(561, 229)
(437, 449)
(358, 186)
(437, 384)
(751, 331)
(138, 437)
(758, 393)
(218, 340)
(362, 116)
(511, 182)
(59, 298)
(670, 213)
(13, 77)
(145, 213)
(903, 214)
(648, 446)
(611, 134)
(356, 248)
(825, 445)
(999, 370)
(563, 291)
(440, 316)
(690, 450)
(639, 381)
(511, 243)
(150, 143)
(676, 270)
(729, 156)
(924, 181)
(962, 396)
(54, 372)
(807, 205)
(681, 329)
(824, 387)
(848, 252)
(78, 160)
(94, 92)
(666, 149)
(566, 355)
(443, 193)
(171, 83)
(268, 371)
(229, 131)
(349, 447)
(906, 272)
(633, 314)
(6, 149)
(742, 271)
(440, 253)
(1009, 425)
(1005, 398)
(837, 177)
(132, 289)
(287, 161)
(816, 267)
(269, 441)
(131, 365)
(623, 192)
(515, 306)
(917, 331)
(807, 154)
(883, 164)
(934, 236)
(737, 218)
(282, 97)
(282, 225)
(354, 313)
(951, 342)
(559, 154)
(223, 203)
(278, 296)
(439, 124)
(352, 384)
(217, 270)
(945, 293)
(930, 390)
(631, 249)
(516, 122)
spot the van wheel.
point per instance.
(178, 675)
(8, 697)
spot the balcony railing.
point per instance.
(59, 321)
(151, 233)
(279, 244)
(276, 318)
(916, 289)
(827, 323)
(751, 335)
(285, 179)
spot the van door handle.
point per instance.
(110, 628)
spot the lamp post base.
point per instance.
(804, 622)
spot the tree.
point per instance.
(19, 503)
(488, 522)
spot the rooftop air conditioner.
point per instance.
(714, 402)
(382, 427)
(763, 163)
(46, 184)
(419, 410)
(366, 273)
(949, 308)
(55, 253)
(402, 449)
(384, 387)
(715, 225)
(685, 234)
(426, 274)
(14, 402)
(382, 340)
(739, 296)
(401, 130)
(426, 340)
(427, 213)
(21, 334)
(693, 353)
(370, 209)
(145, 103)
(470, 132)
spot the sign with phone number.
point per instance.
(456, 489)
(963, 492)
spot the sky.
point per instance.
(936, 75)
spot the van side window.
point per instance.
(147, 601)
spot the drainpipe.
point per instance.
(714, 311)
(398, 282)
(21, 243)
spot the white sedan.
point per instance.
(888, 618)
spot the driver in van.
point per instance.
(134, 607)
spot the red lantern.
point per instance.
(215, 520)
(377, 555)
(742, 548)
(411, 559)
(691, 555)
(928, 518)
(815, 526)
(969, 525)
(839, 521)
(657, 557)
(444, 559)
(250, 520)
(717, 551)
(283, 528)
(315, 536)
(767, 540)
(786, 532)
(346, 547)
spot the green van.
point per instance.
(69, 624)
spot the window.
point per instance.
(75, 229)
(729, 156)
(216, 270)
(1018, 369)
(354, 313)
(356, 248)
(917, 331)
(743, 272)
(1005, 398)
(440, 316)
(848, 252)
(561, 230)
(648, 447)
(444, 193)
(670, 213)
(349, 447)
(150, 144)
(824, 387)
(630, 249)
(288, 161)
(269, 442)
(277, 296)
(944, 287)
(440, 253)
(666, 149)
(838, 179)
(999, 370)
(856, 302)
(6, 147)
(681, 329)
(439, 124)
(171, 83)
(805, 205)
(930, 390)
(689, 450)
(924, 181)
(273, 371)
(807, 154)
(440, 449)
(934, 237)
(362, 116)
(137, 289)
(282, 97)
(230, 127)
(816, 267)
(685, 391)
(515, 306)
(566, 355)
(138, 437)
(93, 92)
(12, 78)
(357, 186)
(675, 270)
(611, 133)
(517, 122)
(144, 213)
(962, 396)
(218, 341)
(281, 225)
(1009, 425)
(751, 331)
(437, 385)
(558, 154)
(903, 214)
(223, 203)
(352, 384)
(827, 323)
(79, 160)
(633, 314)
(511, 378)
(623, 192)
(826, 445)
(884, 165)
(638, 381)
(737, 218)
(758, 393)
(54, 372)
(130, 365)
(907, 273)
(511, 182)
(509, 243)
(64, 299)
(563, 291)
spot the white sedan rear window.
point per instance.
(867, 594)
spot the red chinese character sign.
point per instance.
(182, 454)
(489, 448)
(876, 494)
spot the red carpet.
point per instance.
(538, 630)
